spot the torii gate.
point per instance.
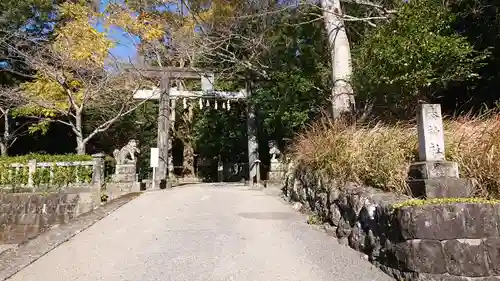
(164, 94)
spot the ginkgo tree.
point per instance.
(76, 72)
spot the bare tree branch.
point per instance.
(81, 87)
(9, 100)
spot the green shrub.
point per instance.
(104, 197)
(23, 159)
(109, 166)
(62, 176)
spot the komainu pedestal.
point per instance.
(275, 167)
(125, 179)
(125, 173)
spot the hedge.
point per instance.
(62, 176)
(23, 159)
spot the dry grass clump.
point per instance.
(379, 155)
(474, 142)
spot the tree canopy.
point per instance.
(413, 58)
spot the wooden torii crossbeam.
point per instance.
(164, 94)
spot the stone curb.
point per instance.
(15, 259)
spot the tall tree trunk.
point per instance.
(188, 158)
(188, 151)
(80, 144)
(4, 149)
(187, 118)
(342, 93)
(4, 143)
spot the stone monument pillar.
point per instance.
(433, 176)
(275, 167)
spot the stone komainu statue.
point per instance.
(129, 150)
(274, 152)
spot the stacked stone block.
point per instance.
(24, 216)
(442, 242)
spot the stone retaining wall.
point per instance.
(25, 215)
(119, 189)
(448, 242)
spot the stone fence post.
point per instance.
(31, 173)
(257, 167)
(433, 176)
(220, 171)
(97, 176)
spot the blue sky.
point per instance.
(125, 45)
(125, 48)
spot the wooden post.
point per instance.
(163, 131)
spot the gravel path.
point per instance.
(206, 233)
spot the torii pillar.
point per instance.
(253, 145)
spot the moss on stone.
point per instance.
(441, 201)
(314, 219)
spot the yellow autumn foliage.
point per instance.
(208, 14)
(77, 40)
(219, 9)
(78, 45)
(147, 26)
(48, 96)
(151, 26)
